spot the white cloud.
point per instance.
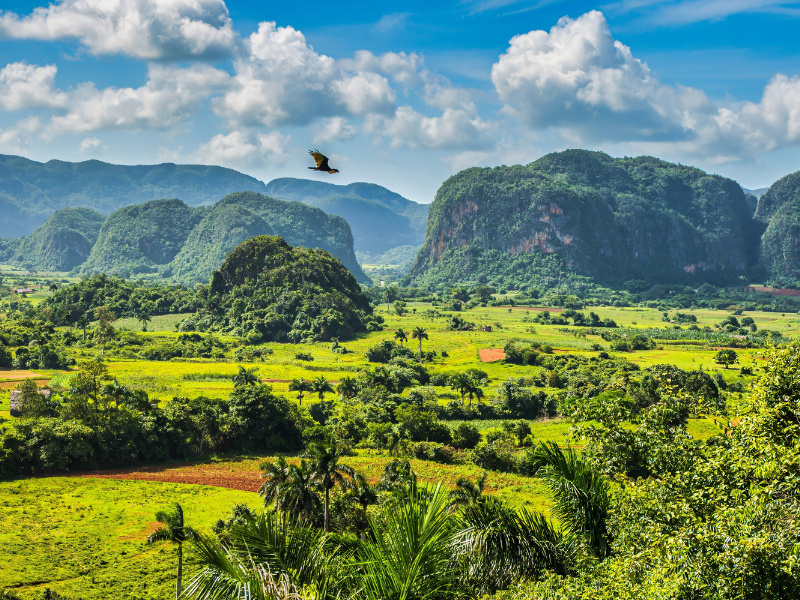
(465, 160)
(169, 97)
(29, 86)
(243, 149)
(335, 128)
(455, 128)
(283, 80)
(401, 67)
(148, 29)
(21, 136)
(668, 12)
(576, 77)
(92, 146)
(392, 22)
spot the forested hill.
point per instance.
(31, 191)
(380, 219)
(588, 213)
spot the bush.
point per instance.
(380, 352)
(429, 451)
(495, 456)
(465, 436)
(250, 354)
(306, 356)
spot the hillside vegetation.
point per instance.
(31, 191)
(380, 219)
(62, 243)
(779, 210)
(609, 219)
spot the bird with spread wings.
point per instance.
(322, 162)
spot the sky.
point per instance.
(404, 99)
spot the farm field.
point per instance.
(83, 535)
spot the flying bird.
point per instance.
(322, 162)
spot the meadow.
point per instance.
(84, 536)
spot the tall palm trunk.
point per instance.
(420, 348)
(180, 572)
(327, 504)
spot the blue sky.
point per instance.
(406, 98)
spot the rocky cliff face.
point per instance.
(612, 219)
(779, 210)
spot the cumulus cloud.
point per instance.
(148, 29)
(21, 136)
(454, 128)
(92, 146)
(282, 80)
(169, 97)
(29, 86)
(335, 128)
(578, 78)
(243, 149)
(401, 67)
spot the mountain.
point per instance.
(586, 213)
(62, 243)
(294, 294)
(779, 210)
(228, 222)
(380, 219)
(142, 237)
(31, 191)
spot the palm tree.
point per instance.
(401, 336)
(462, 383)
(419, 334)
(320, 386)
(300, 496)
(275, 476)
(347, 388)
(245, 377)
(173, 530)
(300, 386)
(359, 491)
(467, 492)
(144, 317)
(410, 554)
(475, 390)
(582, 496)
(398, 477)
(262, 558)
(327, 470)
(83, 323)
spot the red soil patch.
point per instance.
(18, 374)
(290, 381)
(773, 291)
(214, 475)
(538, 308)
(10, 385)
(491, 354)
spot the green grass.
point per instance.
(86, 537)
(157, 323)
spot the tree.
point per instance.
(726, 357)
(582, 496)
(327, 470)
(401, 336)
(419, 334)
(348, 388)
(246, 377)
(390, 294)
(462, 383)
(484, 293)
(173, 530)
(143, 315)
(105, 331)
(467, 492)
(275, 476)
(83, 323)
(359, 491)
(475, 390)
(301, 492)
(300, 386)
(32, 403)
(321, 386)
(53, 287)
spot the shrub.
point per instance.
(495, 456)
(306, 356)
(380, 352)
(429, 451)
(465, 436)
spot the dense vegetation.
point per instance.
(143, 237)
(266, 290)
(31, 191)
(779, 210)
(61, 244)
(610, 219)
(380, 219)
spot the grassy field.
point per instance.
(85, 536)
